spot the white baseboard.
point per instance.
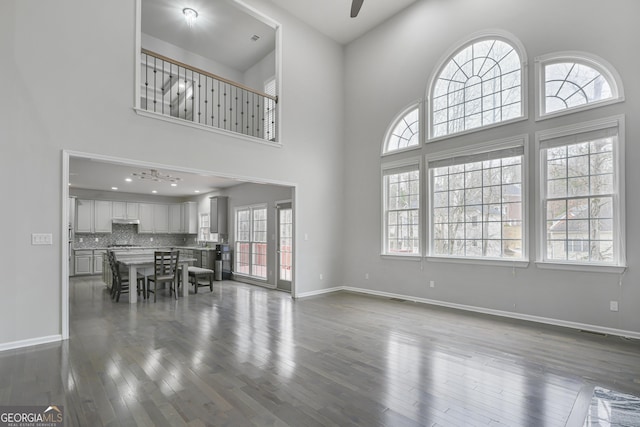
(501, 313)
(30, 342)
(320, 292)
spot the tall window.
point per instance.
(401, 216)
(479, 85)
(477, 203)
(405, 132)
(575, 81)
(581, 194)
(251, 241)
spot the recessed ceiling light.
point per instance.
(173, 184)
(114, 188)
(69, 184)
(154, 191)
(128, 179)
(197, 191)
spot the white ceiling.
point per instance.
(222, 32)
(332, 17)
(100, 175)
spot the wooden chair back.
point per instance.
(165, 264)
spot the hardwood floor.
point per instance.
(248, 356)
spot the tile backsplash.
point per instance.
(126, 234)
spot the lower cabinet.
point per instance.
(88, 261)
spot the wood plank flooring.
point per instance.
(248, 356)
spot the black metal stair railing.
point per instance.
(175, 89)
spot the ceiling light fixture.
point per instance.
(173, 184)
(154, 191)
(154, 175)
(128, 179)
(196, 191)
(190, 15)
(114, 188)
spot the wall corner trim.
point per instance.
(29, 342)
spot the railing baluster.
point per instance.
(227, 105)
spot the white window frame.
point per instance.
(251, 240)
(444, 60)
(204, 231)
(619, 228)
(486, 147)
(584, 58)
(387, 136)
(389, 168)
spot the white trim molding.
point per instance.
(30, 342)
(493, 312)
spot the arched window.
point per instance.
(479, 85)
(575, 81)
(404, 133)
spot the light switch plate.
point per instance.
(42, 239)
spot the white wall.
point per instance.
(256, 76)
(174, 52)
(389, 67)
(84, 103)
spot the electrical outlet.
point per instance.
(432, 283)
(321, 276)
(151, 239)
(81, 239)
(366, 276)
(97, 240)
(613, 305)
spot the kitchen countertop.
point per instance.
(133, 248)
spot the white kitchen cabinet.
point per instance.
(176, 225)
(98, 258)
(120, 210)
(190, 218)
(146, 211)
(218, 215)
(133, 210)
(93, 216)
(83, 262)
(103, 215)
(84, 216)
(126, 210)
(161, 218)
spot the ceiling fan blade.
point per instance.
(355, 7)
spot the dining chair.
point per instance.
(165, 269)
(120, 279)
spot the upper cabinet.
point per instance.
(175, 219)
(84, 216)
(126, 210)
(218, 215)
(96, 216)
(93, 216)
(102, 216)
(146, 218)
(190, 218)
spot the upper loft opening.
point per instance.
(218, 72)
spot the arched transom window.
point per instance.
(405, 131)
(480, 85)
(575, 81)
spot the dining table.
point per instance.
(141, 261)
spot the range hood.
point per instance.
(125, 221)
